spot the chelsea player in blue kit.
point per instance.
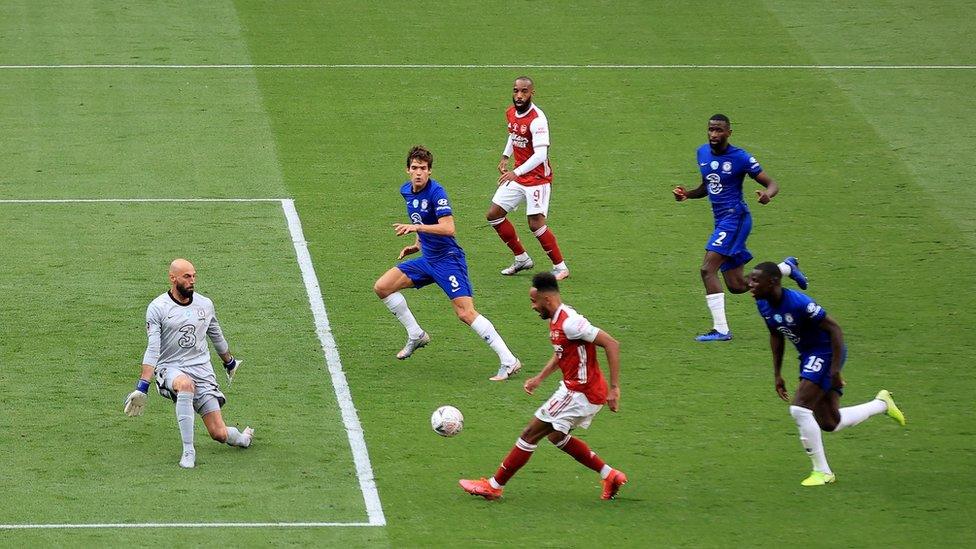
(793, 315)
(723, 168)
(442, 262)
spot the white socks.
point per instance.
(483, 327)
(852, 415)
(235, 438)
(716, 304)
(184, 418)
(785, 269)
(523, 257)
(811, 438)
(397, 305)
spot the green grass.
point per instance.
(875, 201)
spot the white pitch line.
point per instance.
(354, 430)
(117, 200)
(491, 66)
(183, 525)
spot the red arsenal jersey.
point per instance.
(528, 131)
(572, 338)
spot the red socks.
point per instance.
(548, 241)
(581, 453)
(514, 461)
(506, 231)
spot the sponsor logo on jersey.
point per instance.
(788, 334)
(714, 183)
(415, 217)
(726, 166)
(752, 160)
(442, 202)
(814, 309)
(714, 164)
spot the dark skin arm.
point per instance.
(771, 189)
(836, 348)
(777, 345)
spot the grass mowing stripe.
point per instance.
(485, 66)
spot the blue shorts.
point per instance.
(729, 239)
(815, 365)
(450, 272)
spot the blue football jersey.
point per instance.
(425, 208)
(723, 175)
(798, 318)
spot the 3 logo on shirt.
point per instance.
(714, 182)
(415, 217)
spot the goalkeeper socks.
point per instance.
(852, 415)
(397, 304)
(236, 438)
(811, 438)
(486, 330)
(184, 418)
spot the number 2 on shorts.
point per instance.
(721, 237)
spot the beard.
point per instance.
(185, 293)
(525, 106)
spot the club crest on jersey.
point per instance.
(415, 217)
(714, 164)
(788, 317)
(523, 128)
(423, 204)
(201, 313)
(726, 166)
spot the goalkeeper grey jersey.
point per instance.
(178, 334)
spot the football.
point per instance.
(447, 421)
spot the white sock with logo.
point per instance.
(484, 328)
(397, 304)
(852, 415)
(716, 304)
(811, 438)
(184, 418)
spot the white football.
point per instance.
(447, 421)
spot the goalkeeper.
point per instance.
(178, 323)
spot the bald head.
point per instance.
(182, 278)
(179, 266)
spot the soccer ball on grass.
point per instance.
(447, 421)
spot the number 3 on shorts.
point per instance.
(454, 282)
(721, 237)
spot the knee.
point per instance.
(557, 438)
(738, 287)
(219, 434)
(467, 316)
(381, 290)
(183, 384)
(706, 272)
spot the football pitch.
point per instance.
(265, 142)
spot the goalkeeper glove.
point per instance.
(135, 403)
(231, 367)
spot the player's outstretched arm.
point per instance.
(533, 382)
(408, 250)
(771, 188)
(612, 348)
(135, 403)
(681, 194)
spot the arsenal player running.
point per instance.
(581, 393)
(530, 181)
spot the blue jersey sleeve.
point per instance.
(442, 204)
(752, 166)
(808, 308)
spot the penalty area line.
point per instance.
(354, 429)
